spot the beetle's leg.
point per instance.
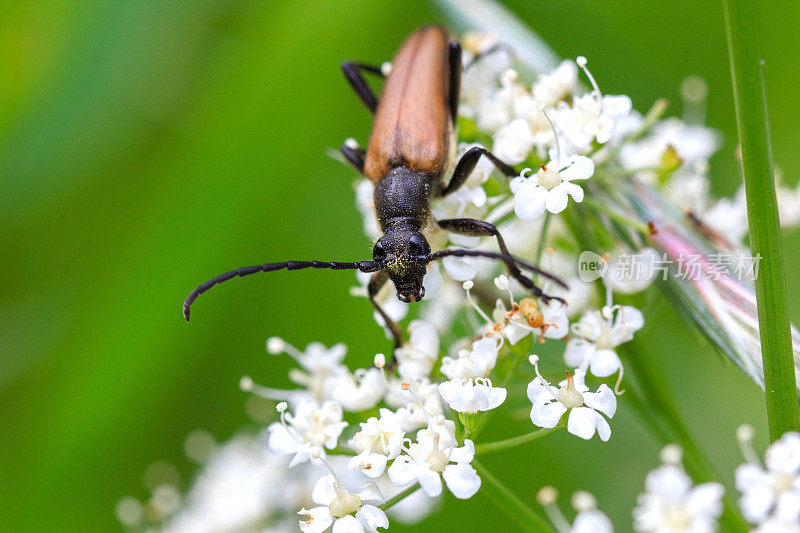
(355, 156)
(479, 228)
(499, 47)
(376, 283)
(455, 77)
(467, 164)
(353, 72)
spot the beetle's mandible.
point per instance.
(409, 149)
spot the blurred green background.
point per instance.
(145, 146)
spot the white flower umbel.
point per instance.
(358, 391)
(379, 441)
(318, 363)
(469, 390)
(307, 432)
(408, 405)
(550, 404)
(592, 116)
(671, 504)
(415, 359)
(435, 457)
(349, 512)
(556, 85)
(597, 334)
(551, 186)
(771, 491)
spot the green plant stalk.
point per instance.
(510, 503)
(496, 446)
(744, 51)
(400, 496)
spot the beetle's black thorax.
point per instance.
(402, 198)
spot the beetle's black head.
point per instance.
(404, 254)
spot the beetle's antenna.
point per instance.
(460, 252)
(363, 266)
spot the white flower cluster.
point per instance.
(670, 503)
(770, 491)
(360, 443)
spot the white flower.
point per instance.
(407, 406)
(468, 389)
(691, 143)
(345, 510)
(358, 391)
(548, 320)
(772, 491)
(596, 337)
(728, 217)
(549, 188)
(418, 355)
(556, 85)
(588, 120)
(773, 525)
(365, 191)
(670, 504)
(318, 364)
(788, 205)
(514, 141)
(308, 432)
(550, 404)
(591, 521)
(428, 461)
(238, 486)
(378, 441)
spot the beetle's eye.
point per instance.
(418, 246)
(378, 253)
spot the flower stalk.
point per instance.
(744, 50)
(500, 445)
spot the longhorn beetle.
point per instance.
(409, 149)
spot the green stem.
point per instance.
(491, 447)
(744, 51)
(510, 503)
(542, 238)
(391, 501)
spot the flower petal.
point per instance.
(372, 517)
(604, 400)
(462, 480)
(459, 268)
(579, 167)
(348, 524)
(557, 199)
(323, 492)
(784, 454)
(431, 482)
(582, 422)
(463, 454)
(319, 519)
(403, 471)
(706, 500)
(530, 201)
(547, 415)
(604, 363)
